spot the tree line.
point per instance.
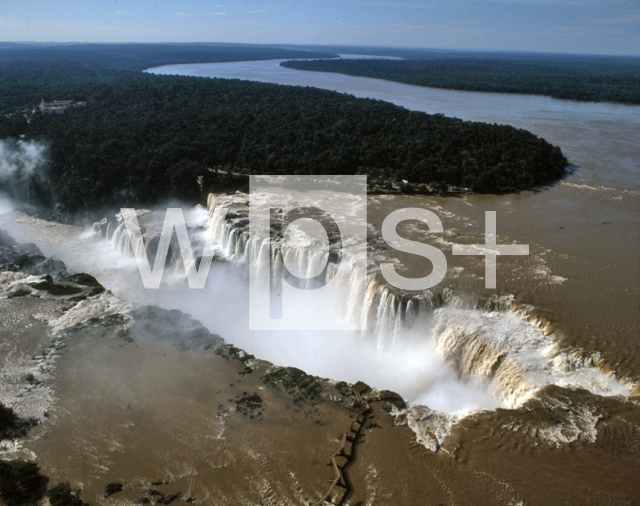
(585, 78)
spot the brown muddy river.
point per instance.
(141, 412)
(589, 222)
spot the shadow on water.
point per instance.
(569, 171)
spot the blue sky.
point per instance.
(572, 26)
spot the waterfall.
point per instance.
(486, 337)
(518, 358)
(483, 337)
(385, 312)
(114, 231)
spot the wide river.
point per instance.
(588, 223)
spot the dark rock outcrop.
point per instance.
(112, 488)
(27, 258)
(172, 326)
(21, 482)
(302, 387)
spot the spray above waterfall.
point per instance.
(19, 161)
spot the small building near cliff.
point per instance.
(57, 106)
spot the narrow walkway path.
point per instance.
(340, 486)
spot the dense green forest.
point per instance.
(134, 139)
(29, 72)
(587, 78)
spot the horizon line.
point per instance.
(418, 48)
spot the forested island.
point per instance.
(135, 139)
(585, 78)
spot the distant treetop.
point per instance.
(585, 78)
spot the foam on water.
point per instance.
(517, 357)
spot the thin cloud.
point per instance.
(384, 28)
(627, 18)
(189, 15)
(390, 4)
(577, 3)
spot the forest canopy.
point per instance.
(29, 70)
(135, 139)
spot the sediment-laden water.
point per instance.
(554, 348)
(587, 223)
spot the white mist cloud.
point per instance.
(20, 158)
(18, 161)
(5, 206)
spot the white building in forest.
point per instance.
(57, 106)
